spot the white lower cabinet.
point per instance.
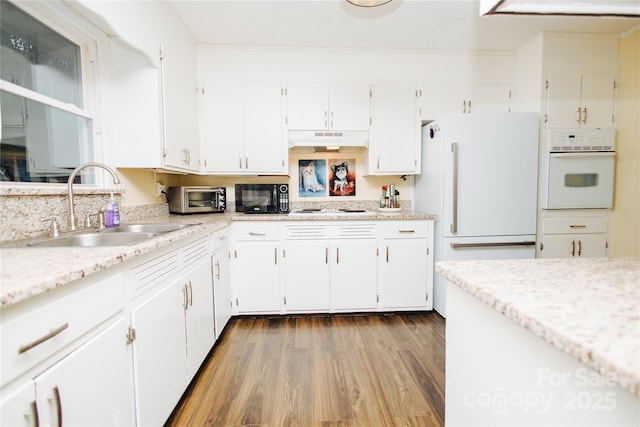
(406, 265)
(90, 386)
(330, 267)
(574, 234)
(354, 276)
(173, 325)
(159, 354)
(306, 275)
(256, 267)
(223, 304)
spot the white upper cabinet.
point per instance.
(153, 91)
(179, 104)
(317, 106)
(580, 101)
(242, 129)
(394, 146)
(440, 99)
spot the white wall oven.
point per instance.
(579, 169)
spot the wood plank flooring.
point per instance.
(333, 370)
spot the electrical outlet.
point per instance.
(160, 189)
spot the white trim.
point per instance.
(43, 99)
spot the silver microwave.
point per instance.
(197, 199)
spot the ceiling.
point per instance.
(401, 24)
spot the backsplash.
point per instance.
(22, 214)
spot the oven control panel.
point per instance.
(571, 140)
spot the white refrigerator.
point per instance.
(479, 176)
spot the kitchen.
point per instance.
(128, 144)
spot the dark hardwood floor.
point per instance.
(332, 370)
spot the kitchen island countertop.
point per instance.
(27, 272)
(587, 308)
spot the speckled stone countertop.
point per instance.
(26, 272)
(588, 308)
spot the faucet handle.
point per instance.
(54, 230)
(99, 215)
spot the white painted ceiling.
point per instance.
(401, 24)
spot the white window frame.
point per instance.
(94, 55)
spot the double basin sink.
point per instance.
(124, 235)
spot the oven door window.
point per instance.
(580, 180)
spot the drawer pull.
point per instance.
(406, 231)
(36, 416)
(39, 341)
(253, 233)
(578, 226)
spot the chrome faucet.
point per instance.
(72, 216)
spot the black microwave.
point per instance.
(262, 198)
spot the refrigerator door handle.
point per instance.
(490, 244)
(454, 210)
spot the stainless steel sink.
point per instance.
(124, 235)
(93, 239)
(146, 228)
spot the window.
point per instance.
(46, 129)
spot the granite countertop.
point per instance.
(26, 272)
(587, 308)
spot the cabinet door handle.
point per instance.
(579, 247)
(387, 255)
(218, 268)
(190, 294)
(185, 298)
(36, 416)
(275, 256)
(326, 118)
(573, 248)
(246, 163)
(326, 255)
(577, 226)
(331, 124)
(469, 106)
(337, 255)
(56, 396)
(579, 115)
(40, 340)
(253, 233)
(584, 117)
(407, 231)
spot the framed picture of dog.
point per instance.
(342, 177)
(313, 176)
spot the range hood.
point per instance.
(326, 140)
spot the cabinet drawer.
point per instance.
(219, 239)
(574, 225)
(30, 338)
(255, 230)
(406, 229)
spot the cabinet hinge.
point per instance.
(285, 300)
(546, 118)
(237, 302)
(606, 245)
(426, 296)
(615, 85)
(510, 94)
(613, 118)
(286, 120)
(377, 298)
(427, 250)
(370, 121)
(541, 246)
(202, 90)
(370, 93)
(546, 84)
(282, 162)
(164, 151)
(284, 253)
(131, 335)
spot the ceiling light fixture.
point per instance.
(368, 3)
(629, 8)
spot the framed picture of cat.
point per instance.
(313, 181)
(342, 177)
